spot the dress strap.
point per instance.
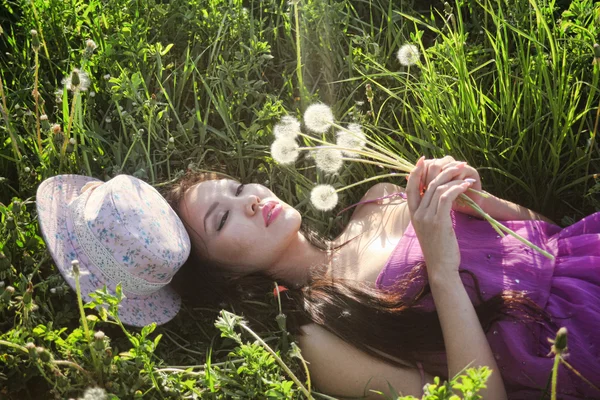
(396, 194)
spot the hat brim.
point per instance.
(52, 200)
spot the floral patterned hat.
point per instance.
(119, 231)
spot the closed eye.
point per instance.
(224, 218)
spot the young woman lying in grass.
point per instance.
(411, 288)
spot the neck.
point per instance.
(299, 259)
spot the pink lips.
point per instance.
(271, 205)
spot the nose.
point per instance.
(252, 203)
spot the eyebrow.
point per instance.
(210, 210)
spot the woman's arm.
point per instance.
(504, 210)
(463, 335)
(497, 208)
(464, 338)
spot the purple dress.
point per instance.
(568, 288)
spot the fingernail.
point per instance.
(470, 180)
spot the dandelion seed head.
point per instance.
(90, 45)
(94, 394)
(329, 160)
(285, 151)
(408, 55)
(324, 197)
(288, 127)
(77, 80)
(56, 128)
(318, 117)
(355, 139)
(73, 141)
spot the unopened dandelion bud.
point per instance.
(75, 81)
(27, 296)
(369, 92)
(171, 139)
(56, 129)
(99, 341)
(31, 349)
(75, 266)
(27, 169)
(108, 120)
(90, 46)
(7, 294)
(281, 321)
(560, 343)
(35, 40)
(106, 77)
(73, 141)
(43, 117)
(53, 290)
(92, 94)
(43, 354)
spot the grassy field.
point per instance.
(160, 88)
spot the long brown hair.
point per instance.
(373, 320)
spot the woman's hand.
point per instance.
(430, 216)
(460, 171)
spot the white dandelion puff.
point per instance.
(285, 151)
(354, 139)
(94, 394)
(324, 197)
(408, 55)
(318, 117)
(288, 127)
(329, 160)
(77, 80)
(90, 45)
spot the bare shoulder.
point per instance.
(339, 369)
(376, 191)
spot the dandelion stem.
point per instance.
(366, 153)
(555, 375)
(63, 149)
(278, 359)
(389, 153)
(36, 97)
(394, 174)
(13, 140)
(299, 56)
(86, 330)
(496, 225)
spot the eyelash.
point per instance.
(237, 193)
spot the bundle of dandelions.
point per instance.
(353, 145)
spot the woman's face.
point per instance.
(245, 227)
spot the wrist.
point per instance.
(444, 277)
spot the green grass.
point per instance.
(199, 85)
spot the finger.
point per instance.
(435, 166)
(445, 176)
(447, 194)
(413, 192)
